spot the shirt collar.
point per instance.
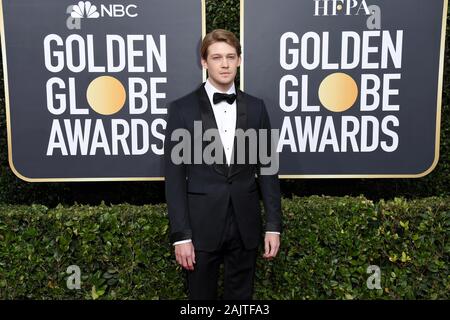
(210, 90)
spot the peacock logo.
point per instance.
(84, 9)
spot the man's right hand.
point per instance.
(185, 255)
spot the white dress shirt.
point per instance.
(225, 115)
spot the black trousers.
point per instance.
(239, 267)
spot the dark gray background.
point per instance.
(264, 23)
(27, 22)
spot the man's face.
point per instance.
(222, 63)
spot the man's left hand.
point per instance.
(271, 245)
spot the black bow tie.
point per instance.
(223, 96)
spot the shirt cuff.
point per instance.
(182, 241)
(273, 232)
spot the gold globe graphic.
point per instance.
(338, 92)
(106, 95)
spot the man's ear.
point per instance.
(239, 61)
(204, 64)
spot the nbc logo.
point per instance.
(84, 9)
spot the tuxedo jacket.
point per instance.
(198, 194)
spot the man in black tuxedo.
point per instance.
(213, 209)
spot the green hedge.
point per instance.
(328, 243)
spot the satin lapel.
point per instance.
(209, 122)
(241, 123)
